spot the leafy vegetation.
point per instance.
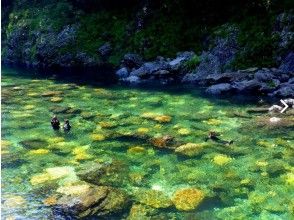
(168, 26)
(192, 63)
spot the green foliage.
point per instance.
(192, 63)
(158, 38)
(170, 27)
(98, 28)
(258, 42)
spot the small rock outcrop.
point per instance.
(219, 89)
(90, 201)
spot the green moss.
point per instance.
(258, 42)
(192, 63)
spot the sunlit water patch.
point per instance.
(150, 144)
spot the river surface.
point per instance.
(252, 178)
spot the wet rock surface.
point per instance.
(93, 201)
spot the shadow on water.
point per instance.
(103, 76)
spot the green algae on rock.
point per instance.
(87, 201)
(187, 199)
(153, 198)
(191, 149)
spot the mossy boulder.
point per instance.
(113, 174)
(142, 212)
(154, 198)
(165, 141)
(91, 172)
(190, 149)
(187, 199)
(90, 201)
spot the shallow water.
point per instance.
(253, 178)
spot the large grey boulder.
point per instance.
(247, 86)
(132, 60)
(122, 73)
(264, 76)
(182, 57)
(219, 89)
(210, 64)
(218, 59)
(226, 77)
(285, 90)
(149, 68)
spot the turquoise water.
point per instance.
(253, 178)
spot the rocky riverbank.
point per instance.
(218, 66)
(277, 82)
(214, 69)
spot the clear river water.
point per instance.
(155, 141)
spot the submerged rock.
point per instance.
(12, 202)
(56, 99)
(51, 93)
(136, 150)
(34, 144)
(190, 149)
(221, 159)
(54, 173)
(274, 122)
(114, 173)
(157, 117)
(91, 172)
(187, 199)
(165, 141)
(154, 198)
(122, 73)
(87, 115)
(141, 212)
(132, 60)
(11, 160)
(91, 201)
(97, 137)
